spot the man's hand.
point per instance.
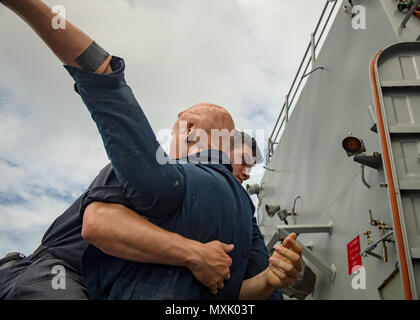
(285, 263)
(283, 270)
(212, 266)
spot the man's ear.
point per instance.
(190, 134)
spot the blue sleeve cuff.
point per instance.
(113, 79)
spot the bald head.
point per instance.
(198, 126)
(207, 116)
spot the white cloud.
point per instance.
(240, 54)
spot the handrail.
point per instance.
(286, 109)
(282, 233)
(375, 244)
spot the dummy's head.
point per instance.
(199, 128)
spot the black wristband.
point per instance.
(92, 58)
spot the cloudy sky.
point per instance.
(241, 54)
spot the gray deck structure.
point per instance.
(308, 159)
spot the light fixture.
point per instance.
(272, 209)
(373, 161)
(253, 189)
(353, 145)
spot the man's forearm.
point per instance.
(119, 231)
(256, 288)
(67, 44)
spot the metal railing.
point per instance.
(309, 57)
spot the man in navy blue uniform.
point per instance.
(192, 193)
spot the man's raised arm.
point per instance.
(69, 45)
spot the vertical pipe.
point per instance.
(313, 49)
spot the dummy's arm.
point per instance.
(128, 138)
(71, 45)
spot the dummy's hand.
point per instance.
(212, 266)
(285, 263)
(8, 2)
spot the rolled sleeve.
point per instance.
(108, 194)
(156, 188)
(112, 79)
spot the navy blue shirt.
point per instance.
(215, 207)
(201, 201)
(64, 240)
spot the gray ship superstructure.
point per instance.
(343, 161)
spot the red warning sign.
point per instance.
(353, 254)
